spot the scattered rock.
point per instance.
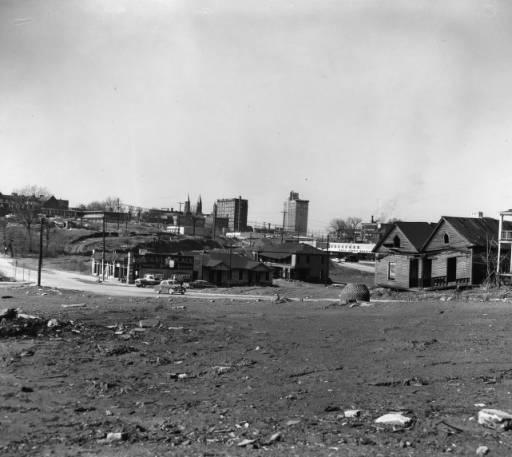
(52, 323)
(27, 316)
(352, 413)
(27, 389)
(149, 323)
(496, 419)
(275, 437)
(8, 313)
(116, 436)
(74, 305)
(245, 442)
(482, 450)
(331, 408)
(292, 422)
(221, 369)
(393, 419)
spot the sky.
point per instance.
(390, 108)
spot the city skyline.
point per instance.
(391, 109)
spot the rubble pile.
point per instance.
(14, 322)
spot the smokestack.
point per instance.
(372, 219)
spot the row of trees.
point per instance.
(350, 228)
(345, 228)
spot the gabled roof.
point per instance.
(476, 230)
(291, 248)
(235, 261)
(415, 232)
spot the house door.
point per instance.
(413, 273)
(451, 269)
(219, 278)
(427, 273)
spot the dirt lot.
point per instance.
(203, 378)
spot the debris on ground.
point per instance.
(245, 442)
(74, 305)
(495, 418)
(482, 450)
(393, 419)
(114, 436)
(149, 323)
(13, 322)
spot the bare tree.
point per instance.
(27, 202)
(112, 204)
(337, 227)
(345, 228)
(95, 206)
(109, 204)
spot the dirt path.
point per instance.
(368, 267)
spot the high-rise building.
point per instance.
(235, 209)
(296, 214)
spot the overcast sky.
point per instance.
(364, 107)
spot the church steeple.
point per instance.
(199, 206)
(186, 210)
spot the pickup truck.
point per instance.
(148, 280)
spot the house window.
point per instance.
(267, 276)
(446, 238)
(396, 241)
(391, 271)
(240, 274)
(307, 259)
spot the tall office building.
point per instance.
(235, 209)
(296, 214)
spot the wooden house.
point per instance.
(459, 251)
(398, 257)
(295, 261)
(231, 269)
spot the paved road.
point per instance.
(76, 281)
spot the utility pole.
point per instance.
(214, 219)
(328, 260)
(103, 253)
(40, 265)
(230, 270)
(282, 230)
(178, 217)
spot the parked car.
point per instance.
(171, 286)
(352, 258)
(200, 284)
(148, 280)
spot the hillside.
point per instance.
(60, 241)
